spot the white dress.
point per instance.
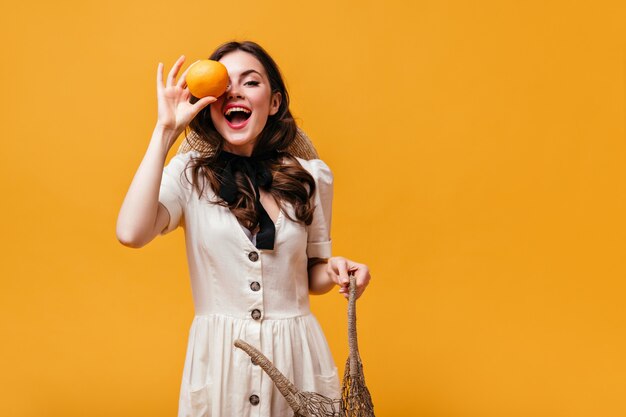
(241, 292)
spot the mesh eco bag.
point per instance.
(355, 398)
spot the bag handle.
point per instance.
(352, 340)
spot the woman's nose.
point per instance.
(233, 91)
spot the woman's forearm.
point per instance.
(138, 214)
(320, 281)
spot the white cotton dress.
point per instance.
(241, 292)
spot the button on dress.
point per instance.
(258, 295)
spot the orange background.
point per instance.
(479, 154)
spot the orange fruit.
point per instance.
(207, 78)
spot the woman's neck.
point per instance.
(243, 150)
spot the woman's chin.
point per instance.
(239, 144)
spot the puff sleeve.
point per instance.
(318, 240)
(175, 190)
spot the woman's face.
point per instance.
(240, 114)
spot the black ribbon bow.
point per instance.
(260, 176)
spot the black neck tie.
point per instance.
(260, 176)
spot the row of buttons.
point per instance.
(255, 286)
(256, 313)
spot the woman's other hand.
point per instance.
(175, 111)
(340, 269)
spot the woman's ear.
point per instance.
(275, 102)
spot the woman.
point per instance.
(257, 228)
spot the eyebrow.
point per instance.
(243, 74)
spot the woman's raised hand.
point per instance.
(175, 111)
(340, 269)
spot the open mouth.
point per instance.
(237, 116)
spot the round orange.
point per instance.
(207, 78)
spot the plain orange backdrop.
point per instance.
(479, 155)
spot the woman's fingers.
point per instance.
(342, 271)
(363, 277)
(342, 268)
(160, 77)
(200, 104)
(338, 269)
(172, 74)
(204, 101)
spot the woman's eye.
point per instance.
(252, 83)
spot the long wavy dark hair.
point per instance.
(290, 181)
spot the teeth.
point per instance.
(232, 109)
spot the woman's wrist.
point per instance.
(164, 136)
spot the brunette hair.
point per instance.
(290, 181)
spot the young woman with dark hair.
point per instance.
(256, 211)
